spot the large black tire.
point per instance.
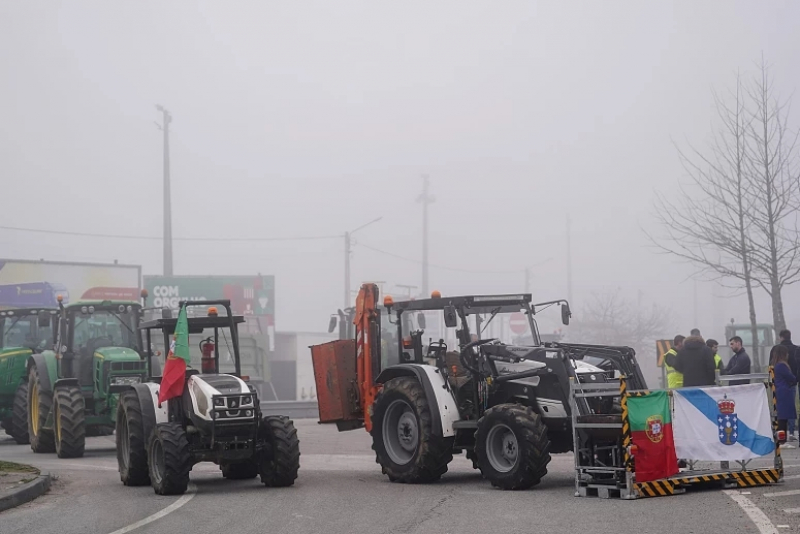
(19, 417)
(280, 462)
(39, 405)
(69, 421)
(405, 445)
(240, 471)
(168, 459)
(131, 450)
(512, 447)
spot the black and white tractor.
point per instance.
(216, 419)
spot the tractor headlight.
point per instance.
(219, 401)
(125, 380)
(249, 413)
(247, 399)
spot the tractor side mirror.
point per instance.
(450, 317)
(43, 319)
(421, 320)
(332, 324)
(565, 313)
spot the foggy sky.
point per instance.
(312, 118)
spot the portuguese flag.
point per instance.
(651, 431)
(174, 375)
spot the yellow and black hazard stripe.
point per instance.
(655, 488)
(699, 479)
(626, 425)
(755, 477)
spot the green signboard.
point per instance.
(249, 295)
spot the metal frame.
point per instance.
(621, 475)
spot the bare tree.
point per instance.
(775, 192)
(709, 224)
(609, 318)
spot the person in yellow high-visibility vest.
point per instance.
(714, 345)
(674, 378)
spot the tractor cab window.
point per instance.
(102, 328)
(23, 331)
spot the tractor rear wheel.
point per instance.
(131, 450)
(512, 447)
(19, 416)
(280, 462)
(239, 471)
(40, 403)
(168, 459)
(402, 434)
(70, 422)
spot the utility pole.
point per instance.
(348, 251)
(167, 119)
(425, 198)
(569, 260)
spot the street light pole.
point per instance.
(425, 198)
(167, 119)
(348, 250)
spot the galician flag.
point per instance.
(651, 432)
(723, 423)
(174, 375)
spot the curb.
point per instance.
(25, 493)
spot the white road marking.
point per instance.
(790, 477)
(792, 511)
(783, 493)
(186, 497)
(759, 518)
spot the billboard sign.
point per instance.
(249, 295)
(27, 283)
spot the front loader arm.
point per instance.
(368, 348)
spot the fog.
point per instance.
(308, 119)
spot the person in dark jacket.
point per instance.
(785, 383)
(696, 361)
(739, 364)
(794, 351)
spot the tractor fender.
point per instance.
(148, 401)
(444, 409)
(66, 382)
(46, 367)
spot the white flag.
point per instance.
(722, 423)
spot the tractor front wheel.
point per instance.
(512, 447)
(280, 462)
(168, 459)
(19, 416)
(402, 434)
(40, 403)
(70, 422)
(131, 450)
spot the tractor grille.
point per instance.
(233, 406)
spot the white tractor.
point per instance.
(216, 419)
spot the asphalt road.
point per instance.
(341, 490)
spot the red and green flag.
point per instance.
(651, 430)
(174, 375)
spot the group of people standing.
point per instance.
(694, 362)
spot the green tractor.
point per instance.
(73, 390)
(24, 332)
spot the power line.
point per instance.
(393, 255)
(154, 238)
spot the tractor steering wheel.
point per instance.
(465, 350)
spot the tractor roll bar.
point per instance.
(231, 324)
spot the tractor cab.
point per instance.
(30, 329)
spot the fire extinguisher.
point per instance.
(207, 361)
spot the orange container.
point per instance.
(337, 386)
